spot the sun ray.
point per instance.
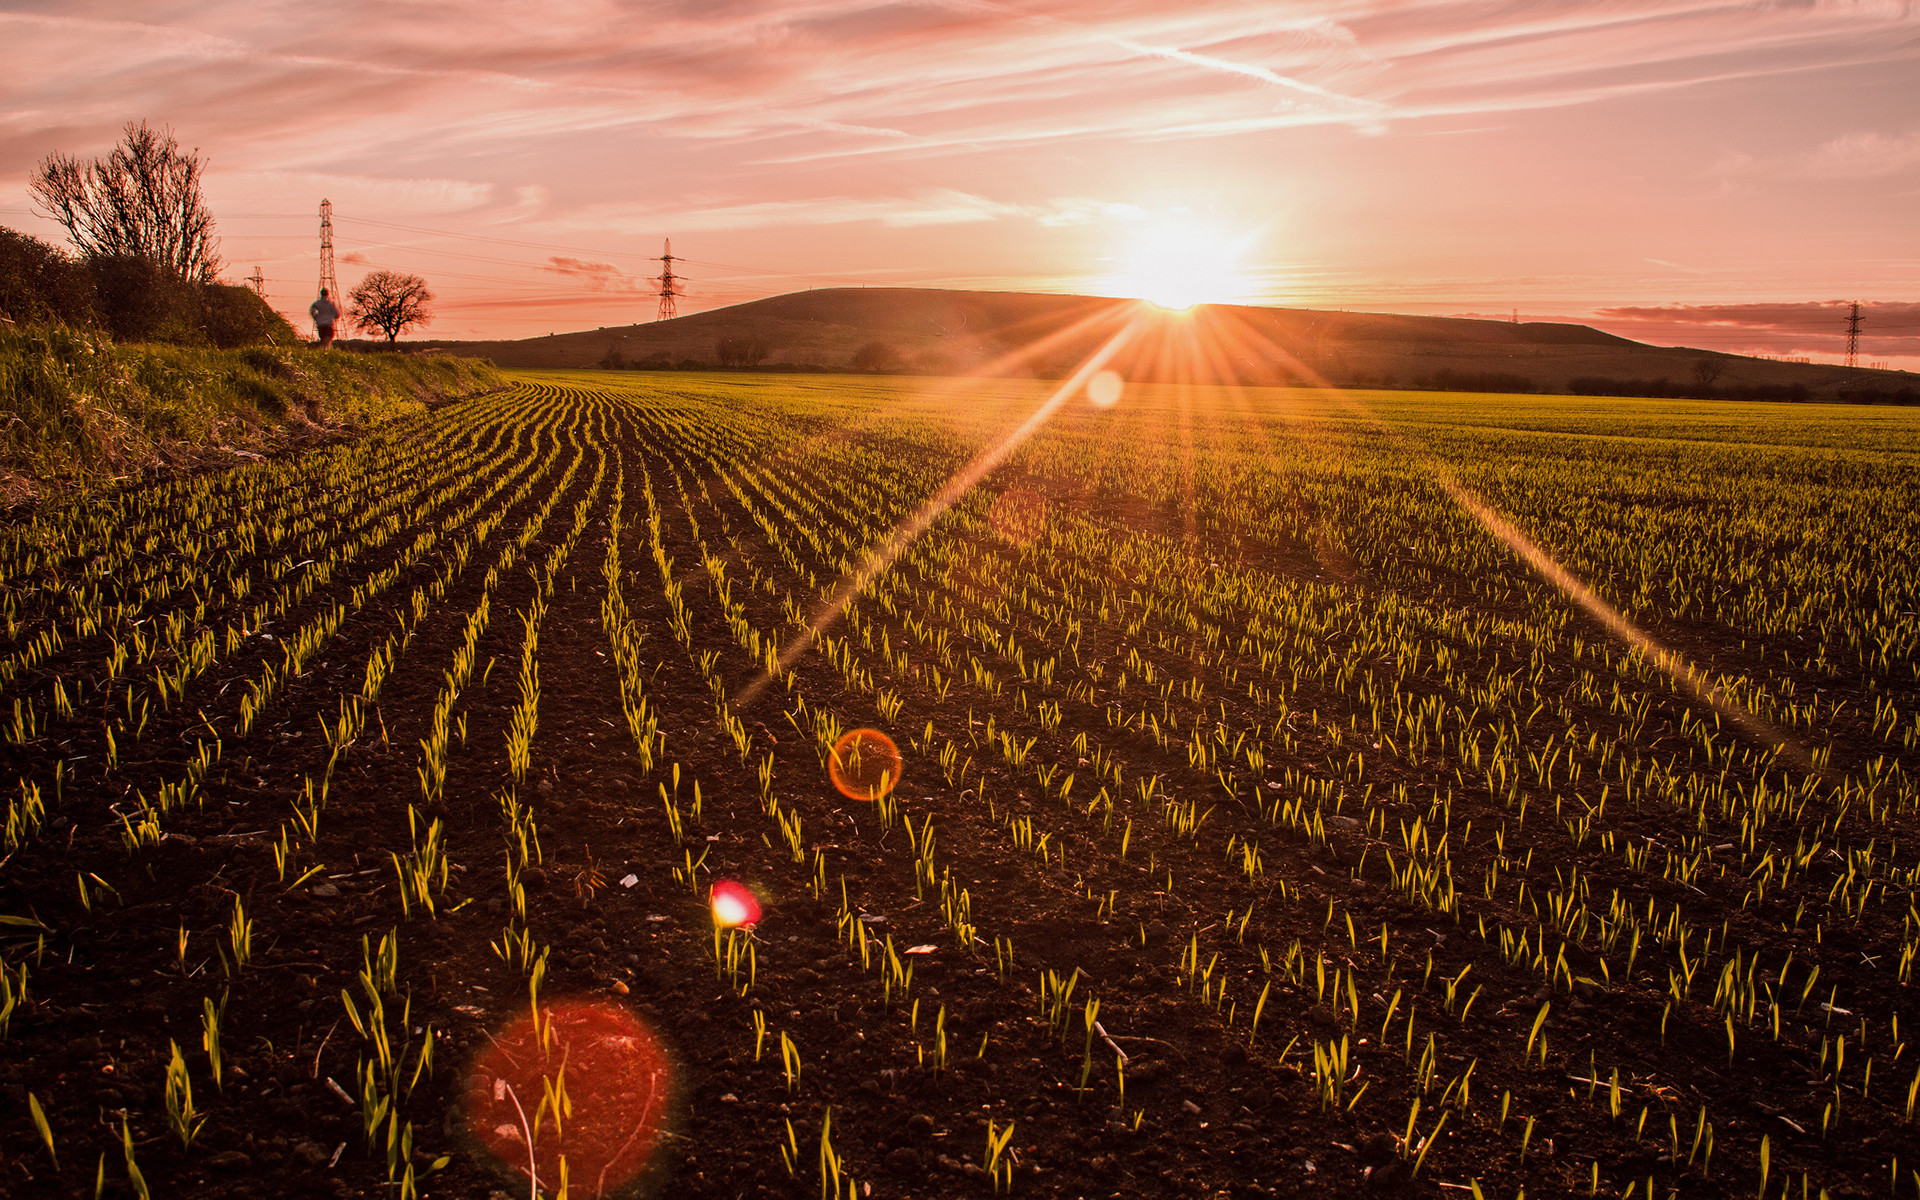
(882, 556)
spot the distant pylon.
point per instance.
(668, 282)
(259, 283)
(328, 283)
(1853, 336)
(1516, 316)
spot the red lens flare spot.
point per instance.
(612, 1079)
(1018, 516)
(865, 764)
(733, 905)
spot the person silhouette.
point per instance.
(324, 314)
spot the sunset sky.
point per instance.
(1709, 174)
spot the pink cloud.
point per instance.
(1888, 330)
(597, 276)
(528, 149)
(1856, 155)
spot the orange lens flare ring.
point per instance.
(611, 1071)
(865, 764)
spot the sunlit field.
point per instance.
(1264, 792)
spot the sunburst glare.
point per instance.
(1176, 264)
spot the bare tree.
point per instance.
(391, 302)
(741, 351)
(877, 356)
(141, 201)
(1707, 372)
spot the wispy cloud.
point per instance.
(867, 73)
(597, 276)
(250, 191)
(1865, 154)
(932, 208)
(1010, 140)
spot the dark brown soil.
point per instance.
(1161, 936)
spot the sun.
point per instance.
(1177, 264)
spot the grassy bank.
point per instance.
(81, 409)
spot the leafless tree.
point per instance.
(142, 201)
(1707, 372)
(741, 352)
(877, 356)
(391, 302)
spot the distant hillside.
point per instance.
(1019, 334)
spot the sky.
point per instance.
(1725, 175)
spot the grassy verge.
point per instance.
(80, 409)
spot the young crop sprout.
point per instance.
(1550, 815)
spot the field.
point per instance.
(1264, 823)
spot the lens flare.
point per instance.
(1018, 515)
(1104, 389)
(865, 764)
(733, 905)
(885, 553)
(618, 1083)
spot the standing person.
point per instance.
(324, 314)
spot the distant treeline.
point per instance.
(130, 299)
(1702, 383)
(1661, 388)
(751, 354)
(1477, 381)
(1664, 388)
(1793, 393)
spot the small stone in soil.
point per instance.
(904, 1161)
(312, 1153)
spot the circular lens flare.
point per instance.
(733, 905)
(865, 764)
(1104, 388)
(618, 1082)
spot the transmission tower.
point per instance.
(669, 282)
(328, 283)
(1853, 336)
(259, 283)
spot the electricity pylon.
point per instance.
(669, 282)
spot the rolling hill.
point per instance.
(1018, 334)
